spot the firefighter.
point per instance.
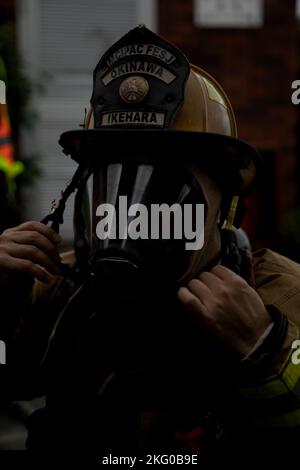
(141, 343)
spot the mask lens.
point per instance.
(145, 213)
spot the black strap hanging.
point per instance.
(81, 245)
(58, 207)
(55, 217)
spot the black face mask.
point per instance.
(138, 226)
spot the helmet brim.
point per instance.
(169, 146)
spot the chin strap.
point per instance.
(232, 213)
(230, 254)
(234, 255)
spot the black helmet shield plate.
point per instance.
(139, 82)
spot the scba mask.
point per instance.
(144, 224)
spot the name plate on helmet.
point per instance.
(139, 82)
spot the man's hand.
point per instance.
(30, 250)
(227, 308)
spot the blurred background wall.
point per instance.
(251, 47)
